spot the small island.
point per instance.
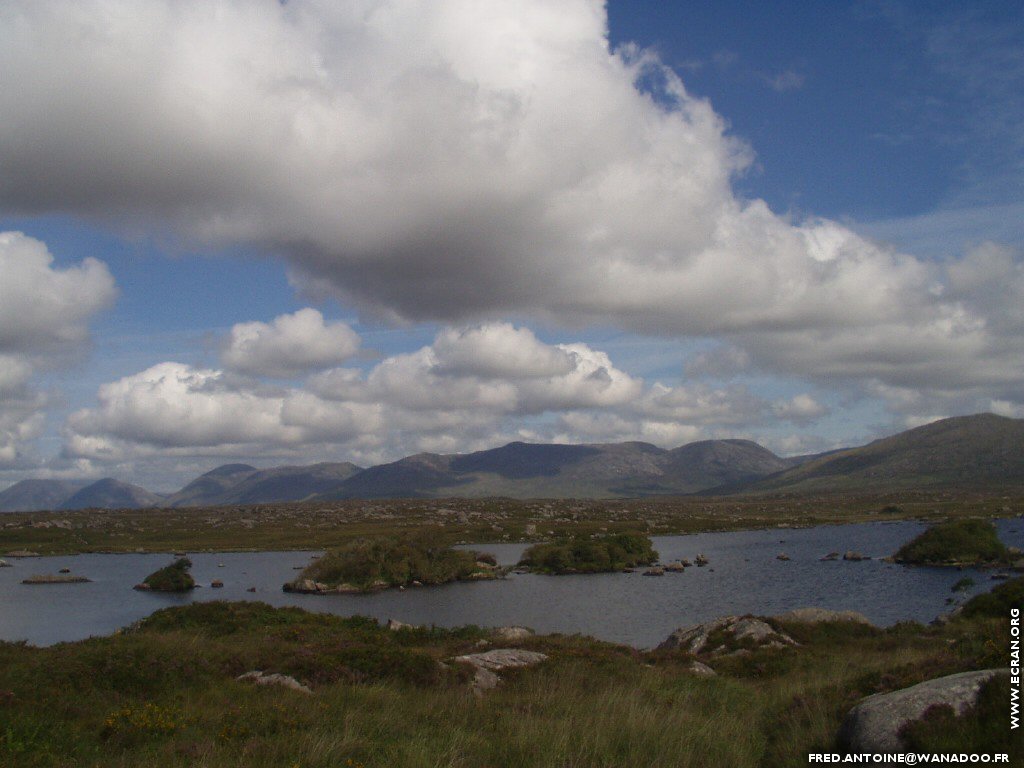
(55, 578)
(172, 578)
(370, 564)
(586, 554)
(956, 543)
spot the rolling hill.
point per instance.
(981, 451)
(967, 452)
(109, 493)
(34, 495)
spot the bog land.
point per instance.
(324, 525)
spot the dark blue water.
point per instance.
(744, 576)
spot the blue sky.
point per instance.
(511, 228)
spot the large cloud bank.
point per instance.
(453, 160)
(44, 311)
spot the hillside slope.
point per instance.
(983, 450)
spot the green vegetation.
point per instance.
(172, 578)
(376, 563)
(590, 554)
(998, 602)
(955, 542)
(164, 692)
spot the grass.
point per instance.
(172, 578)
(955, 542)
(590, 554)
(372, 563)
(164, 693)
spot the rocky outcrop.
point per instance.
(4, 564)
(263, 678)
(873, 725)
(855, 557)
(819, 615)
(727, 632)
(486, 665)
(394, 625)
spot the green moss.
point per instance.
(173, 578)
(390, 561)
(582, 554)
(955, 542)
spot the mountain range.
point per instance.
(978, 451)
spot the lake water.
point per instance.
(744, 576)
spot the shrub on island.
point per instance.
(998, 602)
(172, 578)
(955, 542)
(377, 563)
(584, 554)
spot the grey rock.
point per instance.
(502, 658)
(701, 670)
(486, 665)
(394, 625)
(286, 681)
(694, 639)
(4, 564)
(873, 725)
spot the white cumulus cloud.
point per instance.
(453, 394)
(293, 344)
(44, 314)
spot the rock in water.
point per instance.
(873, 725)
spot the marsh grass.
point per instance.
(164, 693)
